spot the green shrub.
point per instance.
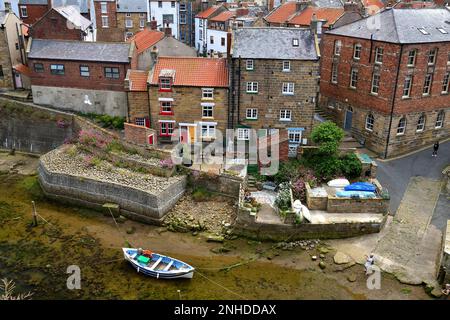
(283, 199)
(201, 194)
(327, 167)
(328, 136)
(351, 166)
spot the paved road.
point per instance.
(395, 176)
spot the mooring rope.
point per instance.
(221, 286)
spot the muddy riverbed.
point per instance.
(37, 258)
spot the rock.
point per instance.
(121, 219)
(213, 238)
(131, 230)
(323, 250)
(436, 293)
(194, 233)
(351, 278)
(322, 256)
(341, 258)
(322, 265)
(314, 258)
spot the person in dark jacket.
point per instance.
(435, 149)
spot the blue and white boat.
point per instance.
(157, 265)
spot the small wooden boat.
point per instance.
(157, 265)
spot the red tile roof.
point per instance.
(331, 15)
(373, 5)
(145, 39)
(138, 80)
(224, 16)
(206, 13)
(282, 13)
(22, 69)
(193, 71)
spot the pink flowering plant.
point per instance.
(166, 163)
(93, 138)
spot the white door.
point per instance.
(18, 80)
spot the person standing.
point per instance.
(370, 260)
(435, 149)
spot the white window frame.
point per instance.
(105, 19)
(357, 50)
(337, 47)
(407, 89)
(139, 121)
(427, 84)
(23, 13)
(103, 7)
(420, 123)
(412, 54)
(251, 113)
(208, 110)
(200, 35)
(439, 120)
(354, 78)
(210, 130)
(128, 23)
(182, 18)
(167, 127)
(445, 83)
(128, 15)
(86, 72)
(288, 88)
(370, 122)
(211, 39)
(243, 134)
(295, 42)
(249, 64)
(253, 86)
(432, 54)
(401, 127)
(208, 93)
(375, 83)
(285, 115)
(286, 66)
(379, 52)
(334, 73)
(142, 23)
(296, 136)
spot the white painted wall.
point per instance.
(14, 6)
(157, 12)
(217, 46)
(199, 43)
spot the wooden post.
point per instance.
(35, 223)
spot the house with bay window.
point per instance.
(189, 94)
(274, 82)
(389, 87)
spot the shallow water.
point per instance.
(37, 259)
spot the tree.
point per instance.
(328, 136)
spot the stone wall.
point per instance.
(135, 204)
(6, 81)
(247, 226)
(346, 205)
(32, 129)
(224, 184)
(313, 202)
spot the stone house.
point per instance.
(64, 23)
(390, 87)
(80, 76)
(185, 93)
(201, 26)
(12, 53)
(274, 82)
(151, 43)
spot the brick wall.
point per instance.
(138, 105)
(269, 100)
(55, 26)
(35, 12)
(337, 99)
(73, 79)
(111, 33)
(187, 106)
(138, 134)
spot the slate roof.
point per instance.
(274, 43)
(132, 6)
(401, 26)
(328, 3)
(193, 71)
(79, 50)
(82, 5)
(73, 15)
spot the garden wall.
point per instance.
(135, 204)
(247, 226)
(224, 184)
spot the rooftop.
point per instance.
(282, 13)
(274, 43)
(80, 50)
(137, 79)
(206, 13)
(401, 26)
(224, 16)
(132, 6)
(193, 71)
(330, 15)
(73, 15)
(82, 5)
(145, 39)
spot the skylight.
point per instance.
(423, 31)
(442, 30)
(295, 42)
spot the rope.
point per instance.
(221, 286)
(118, 228)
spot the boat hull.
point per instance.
(188, 274)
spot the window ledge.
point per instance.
(400, 134)
(287, 94)
(286, 120)
(406, 98)
(369, 130)
(166, 113)
(374, 94)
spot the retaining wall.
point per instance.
(134, 204)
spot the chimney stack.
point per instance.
(167, 30)
(301, 5)
(351, 6)
(152, 25)
(8, 6)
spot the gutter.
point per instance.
(393, 102)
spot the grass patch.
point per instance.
(200, 194)
(405, 290)
(6, 211)
(30, 185)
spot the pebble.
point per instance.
(314, 258)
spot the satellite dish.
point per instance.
(87, 101)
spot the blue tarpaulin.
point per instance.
(361, 186)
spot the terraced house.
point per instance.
(189, 94)
(274, 81)
(80, 76)
(389, 85)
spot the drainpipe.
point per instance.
(371, 47)
(239, 92)
(393, 101)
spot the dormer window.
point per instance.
(295, 42)
(165, 84)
